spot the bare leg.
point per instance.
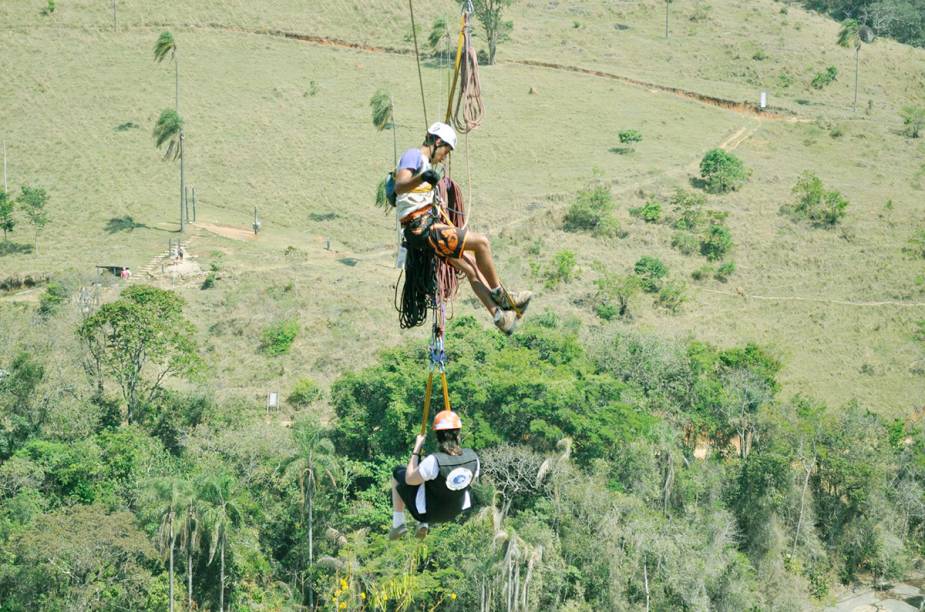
(397, 504)
(478, 245)
(466, 265)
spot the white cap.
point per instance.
(444, 132)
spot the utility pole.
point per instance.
(667, 4)
(182, 184)
(115, 21)
(194, 204)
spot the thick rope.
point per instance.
(417, 56)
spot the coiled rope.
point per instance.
(469, 105)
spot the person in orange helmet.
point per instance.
(435, 490)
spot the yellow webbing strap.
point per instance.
(459, 50)
(428, 395)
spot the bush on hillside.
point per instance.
(650, 271)
(305, 393)
(725, 271)
(722, 172)
(824, 78)
(687, 243)
(816, 204)
(671, 296)
(913, 120)
(630, 137)
(917, 244)
(277, 339)
(704, 271)
(592, 211)
(688, 210)
(716, 242)
(55, 295)
(650, 212)
(563, 269)
(615, 293)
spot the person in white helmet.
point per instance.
(435, 490)
(467, 251)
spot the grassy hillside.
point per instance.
(284, 126)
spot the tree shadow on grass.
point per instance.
(14, 248)
(698, 183)
(126, 224)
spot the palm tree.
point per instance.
(314, 460)
(189, 527)
(172, 495)
(220, 514)
(383, 110)
(852, 35)
(166, 45)
(169, 131)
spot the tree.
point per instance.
(166, 45)
(722, 172)
(173, 496)
(313, 463)
(7, 222)
(619, 288)
(913, 120)
(814, 202)
(383, 110)
(489, 13)
(221, 513)
(650, 271)
(169, 131)
(33, 200)
(140, 339)
(22, 416)
(189, 527)
(852, 35)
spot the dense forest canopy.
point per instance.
(903, 20)
(617, 473)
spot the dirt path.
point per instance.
(226, 231)
(787, 298)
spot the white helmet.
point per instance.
(444, 132)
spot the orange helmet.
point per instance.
(447, 419)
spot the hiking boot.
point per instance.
(421, 531)
(506, 321)
(395, 533)
(512, 300)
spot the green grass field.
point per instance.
(284, 126)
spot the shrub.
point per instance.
(650, 212)
(688, 208)
(650, 271)
(821, 207)
(920, 331)
(917, 244)
(760, 55)
(826, 77)
(913, 120)
(209, 281)
(716, 243)
(630, 137)
(563, 269)
(671, 296)
(702, 272)
(614, 294)
(725, 271)
(51, 300)
(277, 339)
(592, 208)
(304, 394)
(685, 242)
(722, 172)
